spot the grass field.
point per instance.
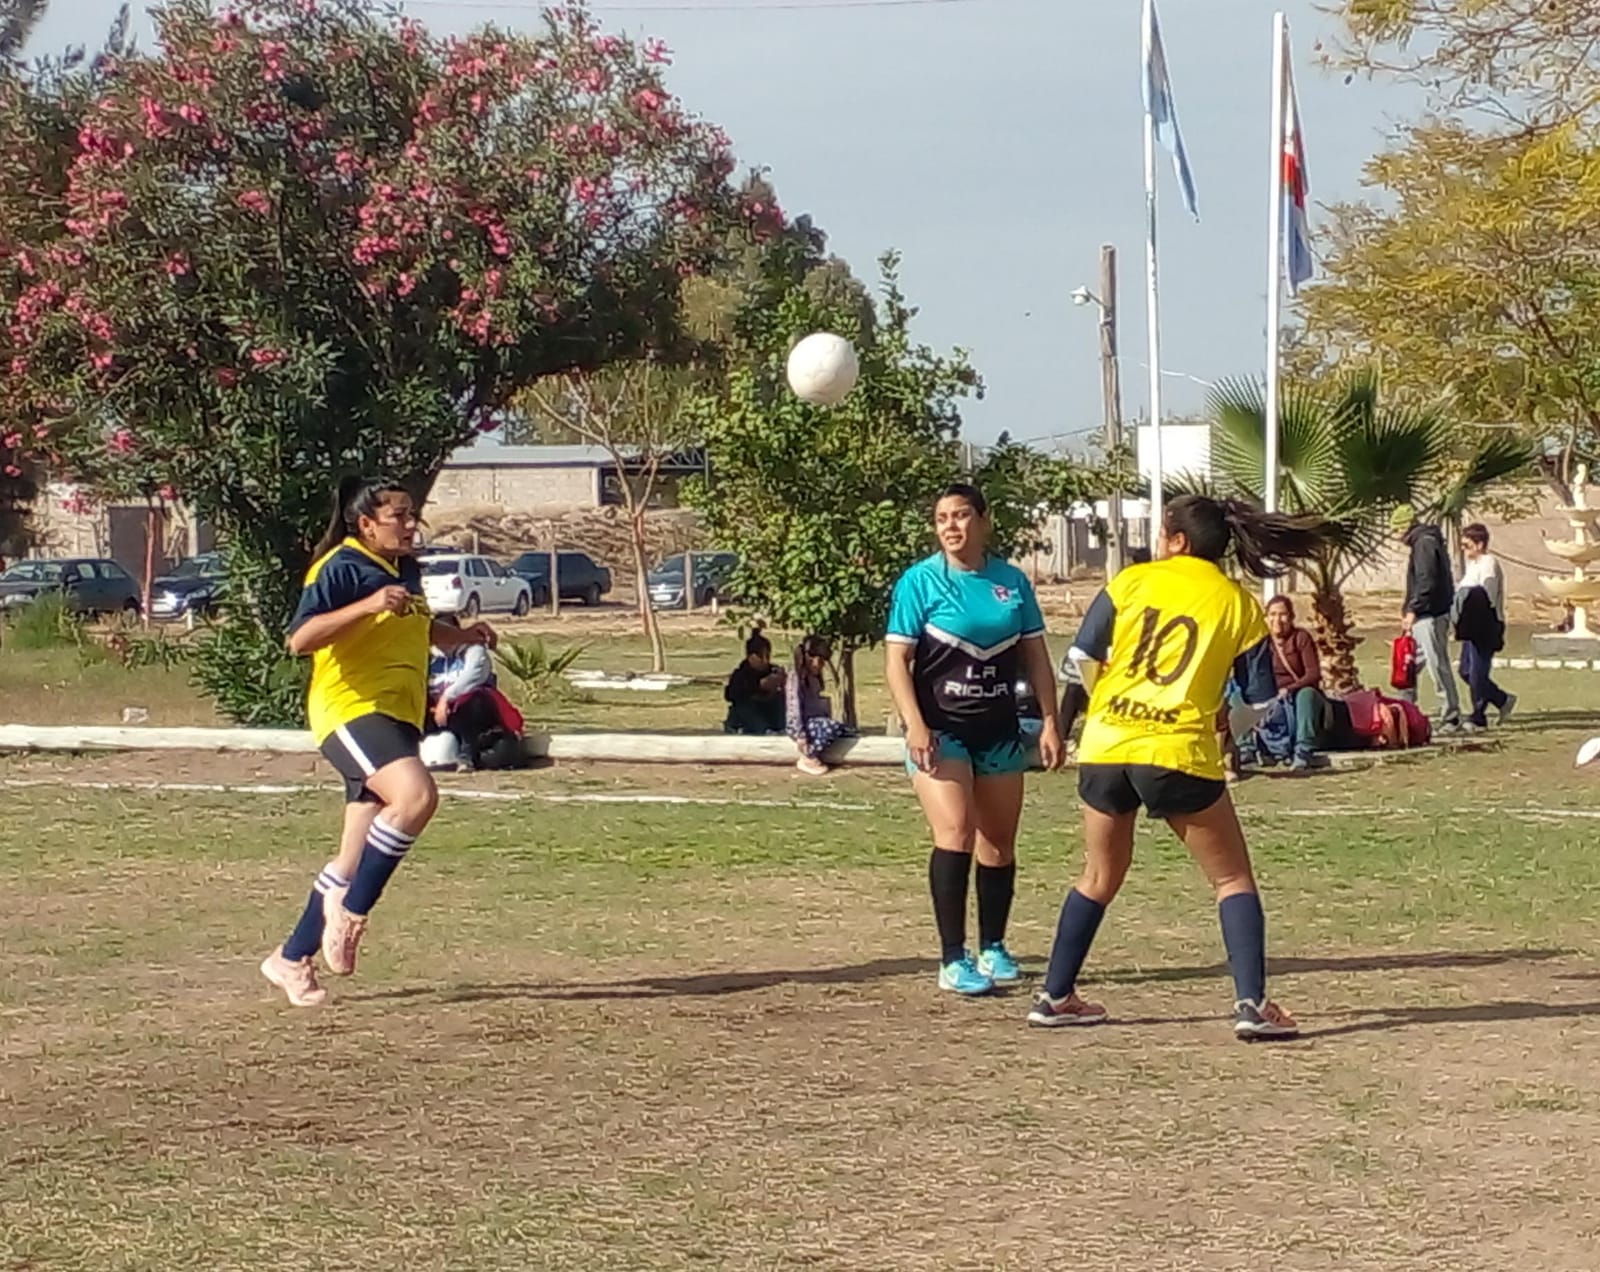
(704, 1034)
(591, 1032)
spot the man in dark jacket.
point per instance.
(1430, 595)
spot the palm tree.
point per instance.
(1348, 457)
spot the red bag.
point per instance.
(1366, 712)
(1403, 662)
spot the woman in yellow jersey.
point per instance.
(363, 621)
(1157, 647)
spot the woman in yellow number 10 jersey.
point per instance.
(1157, 648)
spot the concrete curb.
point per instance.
(638, 748)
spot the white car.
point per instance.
(470, 585)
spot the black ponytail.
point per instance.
(757, 643)
(356, 497)
(1266, 544)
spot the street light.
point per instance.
(1111, 391)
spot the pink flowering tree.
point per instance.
(300, 240)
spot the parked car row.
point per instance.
(454, 583)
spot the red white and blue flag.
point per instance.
(1296, 185)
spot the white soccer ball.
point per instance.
(823, 369)
(441, 751)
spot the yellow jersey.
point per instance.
(1168, 635)
(378, 664)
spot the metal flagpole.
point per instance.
(1280, 52)
(1153, 310)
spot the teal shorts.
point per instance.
(994, 760)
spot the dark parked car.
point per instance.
(666, 583)
(194, 587)
(89, 585)
(582, 579)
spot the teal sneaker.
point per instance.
(963, 977)
(996, 963)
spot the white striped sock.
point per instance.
(389, 841)
(330, 879)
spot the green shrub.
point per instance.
(537, 671)
(250, 675)
(45, 623)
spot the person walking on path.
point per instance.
(1481, 627)
(1430, 597)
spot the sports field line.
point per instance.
(510, 797)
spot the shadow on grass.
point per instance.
(708, 985)
(1352, 963)
(1467, 1014)
(719, 984)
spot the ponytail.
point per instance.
(1270, 544)
(1266, 544)
(356, 497)
(757, 643)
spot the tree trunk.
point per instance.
(847, 685)
(647, 612)
(1335, 642)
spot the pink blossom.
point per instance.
(226, 377)
(594, 79)
(268, 357)
(13, 471)
(11, 441)
(606, 45)
(177, 265)
(168, 493)
(585, 190)
(121, 442)
(647, 101)
(155, 118)
(657, 51)
(405, 285)
(191, 114)
(255, 201)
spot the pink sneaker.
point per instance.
(298, 981)
(341, 933)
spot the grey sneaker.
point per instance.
(1507, 710)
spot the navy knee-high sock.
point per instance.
(1244, 934)
(1075, 929)
(381, 856)
(306, 939)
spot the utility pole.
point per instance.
(1111, 391)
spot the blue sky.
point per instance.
(997, 144)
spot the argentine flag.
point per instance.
(1163, 112)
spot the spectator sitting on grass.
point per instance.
(809, 715)
(1290, 730)
(754, 692)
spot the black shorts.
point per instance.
(1119, 789)
(359, 749)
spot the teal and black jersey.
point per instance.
(968, 627)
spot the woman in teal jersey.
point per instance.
(964, 628)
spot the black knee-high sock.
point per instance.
(1244, 934)
(381, 856)
(948, 873)
(1075, 929)
(306, 939)
(996, 886)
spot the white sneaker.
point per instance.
(298, 981)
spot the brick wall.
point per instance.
(514, 489)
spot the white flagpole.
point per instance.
(1280, 51)
(1153, 309)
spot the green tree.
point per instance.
(312, 240)
(1024, 485)
(1471, 284)
(827, 507)
(1530, 62)
(1350, 457)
